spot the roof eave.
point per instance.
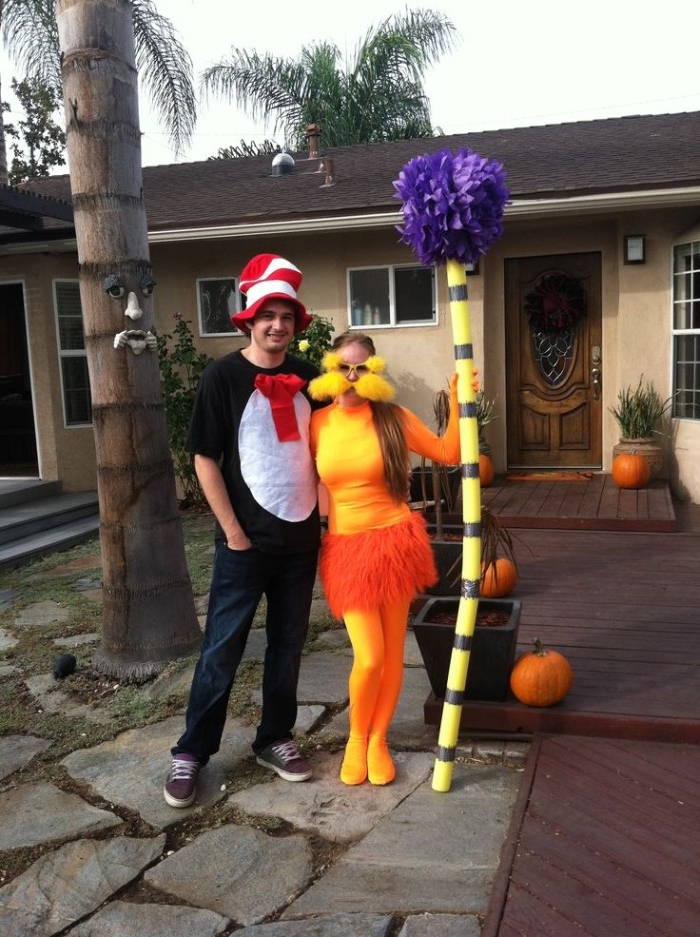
(521, 207)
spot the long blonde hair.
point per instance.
(388, 425)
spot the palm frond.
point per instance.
(165, 67)
(30, 35)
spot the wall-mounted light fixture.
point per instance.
(472, 270)
(635, 249)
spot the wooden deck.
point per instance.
(604, 835)
(579, 501)
(625, 609)
(603, 843)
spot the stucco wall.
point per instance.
(636, 321)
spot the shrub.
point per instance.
(181, 367)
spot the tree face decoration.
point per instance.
(452, 214)
(136, 339)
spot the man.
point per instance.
(250, 438)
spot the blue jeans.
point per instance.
(239, 580)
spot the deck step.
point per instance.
(42, 524)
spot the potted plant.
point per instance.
(492, 651)
(638, 413)
(437, 485)
(497, 622)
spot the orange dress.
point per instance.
(376, 550)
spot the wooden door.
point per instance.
(553, 361)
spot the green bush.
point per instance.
(181, 367)
(313, 342)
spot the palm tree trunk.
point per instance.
(4, 174)
(149, 614)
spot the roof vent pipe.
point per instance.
(313, 135)
(330, 172)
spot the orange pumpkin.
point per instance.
(630, 470)
(541, 677)
(498, 578)
(486, 470)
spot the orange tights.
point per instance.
(377, 636)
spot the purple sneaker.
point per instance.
(284, 758)
(180, 788)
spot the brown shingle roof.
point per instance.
(556, 160)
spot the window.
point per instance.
(217, 301)
(75, 382)
(403, 295)
(686, 331)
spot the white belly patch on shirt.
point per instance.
(281, 475)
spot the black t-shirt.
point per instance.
(272, 485)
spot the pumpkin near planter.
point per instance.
(498, 578)
(630, 470)
(541, 677)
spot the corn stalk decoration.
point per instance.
(452, 213)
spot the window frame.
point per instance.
(392, 323)
(67, 353)
(238, 304)
(692, 296)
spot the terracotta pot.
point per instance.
(492, 651)
(646, 446)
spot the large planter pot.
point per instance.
(646, 446)
(451, 475)
(493, 645)
(448, 560)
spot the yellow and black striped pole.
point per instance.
(471, 517)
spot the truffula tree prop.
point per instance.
(452, 213)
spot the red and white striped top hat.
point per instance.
(269, 276)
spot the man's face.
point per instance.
(272, 328)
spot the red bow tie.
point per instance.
(280, 390)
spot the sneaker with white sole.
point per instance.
(284, 758)
(180, 788)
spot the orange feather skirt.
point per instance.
(386, 564)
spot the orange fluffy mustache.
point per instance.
(370, 386)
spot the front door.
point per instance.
(553, 361)
(17, 438)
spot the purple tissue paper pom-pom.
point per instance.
(452, 205)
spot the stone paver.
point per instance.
(434, 852)
(53, 698)
(39, 813)
(222, 871)
(441, 925)
(120, 919)
(131, 769)
(64, 886)
(41, 613)
(325, 925)
(17, 750)
(330, 808)
(7, 640)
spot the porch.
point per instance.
(602, 838)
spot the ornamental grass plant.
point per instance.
(638, 411)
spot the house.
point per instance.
(603, 223)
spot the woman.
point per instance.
(376, 555)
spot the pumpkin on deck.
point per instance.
(541, 677)
(630, 470)
(498, 578)
(487, 472)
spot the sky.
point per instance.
(515, 63)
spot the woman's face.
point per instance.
(352, 357)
